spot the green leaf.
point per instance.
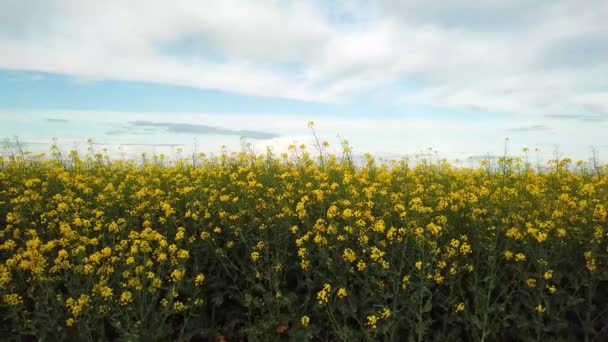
(476, 322)
(427, 306)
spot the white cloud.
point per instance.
(520, 57)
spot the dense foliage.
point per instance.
(295, 247)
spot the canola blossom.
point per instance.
(307, 248)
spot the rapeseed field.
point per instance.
(301, 246)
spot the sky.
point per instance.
(394, 78)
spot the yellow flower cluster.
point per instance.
(323, 294)
(267, 235)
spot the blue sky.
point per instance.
(393, 77)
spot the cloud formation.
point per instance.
(522, 57)
(533, 128)
(202, 129)
(56, 120)
(578, 117)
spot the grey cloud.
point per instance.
(16, 16)
(56, 120)
(584, 50)
(132, 130)
(117, 132)
(578, 117)
(203, 129)
(487, 15)
(534, 128)
(587, 113)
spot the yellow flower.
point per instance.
(183, 254)
(372, 321)
(179, 306)
(199, 279)
(349, 255)
(418, 265)
(433, 228)
(590, 261)
(332, 211)
(177, 275)
(76, 307)
(105, 292)
(379, 226)
(172, 248)
(126, 297)
(323, 294)
(376, 253)
(540, 236)
(255, 256)
(305, 320)
(361, 265)
(385, 313)
(157, 283)
(531, 282)
(181, 233)
(106, 251)
(539, 308)
(13, 299)
(459, 307)
(347, 213)
(342, 292)
(548, 275)
(465, 248)
(514, 233)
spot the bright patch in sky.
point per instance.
(392, 77)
